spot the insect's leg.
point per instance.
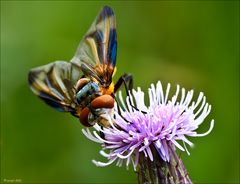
(119, 111)
(102, 135)
(123, 80)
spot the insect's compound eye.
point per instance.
(104, 101)
(84, 117)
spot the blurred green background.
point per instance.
(191, 43)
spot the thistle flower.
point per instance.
(151, 130)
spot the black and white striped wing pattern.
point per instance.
(96, 54)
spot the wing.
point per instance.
(54, 83)
(96, 53)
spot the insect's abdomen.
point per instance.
(87, 93)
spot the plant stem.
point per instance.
(159, 171)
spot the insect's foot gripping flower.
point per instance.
(138, 130)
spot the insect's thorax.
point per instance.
(87, 93)
(87, 90)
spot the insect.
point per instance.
(84, 86)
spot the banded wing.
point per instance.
(96, 53)
(54, 83)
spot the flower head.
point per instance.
(136, 128)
